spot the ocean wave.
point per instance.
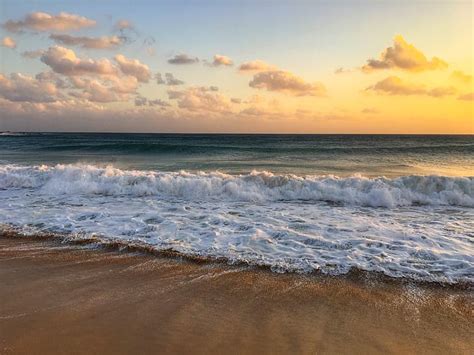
(417, 227)
(257, 186)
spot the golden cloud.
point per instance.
(467, 97)
(221, 60)
(256, 66)
(8, 42)
(393, 85)
(405, 56)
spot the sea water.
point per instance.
(399, 205)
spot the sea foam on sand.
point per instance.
(418, 227)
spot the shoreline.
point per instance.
(98, 244)
(61, 298)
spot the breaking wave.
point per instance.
(257, 186)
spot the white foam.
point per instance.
(415, 226)
(254, 187)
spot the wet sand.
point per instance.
(72, 299)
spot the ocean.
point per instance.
(398, 205)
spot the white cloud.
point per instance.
(64, 61)
(134, 68)
(108, 90)
(23, 88)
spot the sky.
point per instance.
(237, 66)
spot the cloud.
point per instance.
(33, 54)
(236, 100)
(64, 61)
(467, 97)
(200, 98)
(23, 88)
(52, 77)
(143, 101)
(254, 111)
(286, 82)
(41, 21)
(462, 77)
(134, 68)
(79, 115)
(122, 25)
(405, 56)
(108, 90)
(169, 79)
(441, 91)
(221, 60)
(393, 85)
(127, 84)
(183, 59)
(76, 114)
(95, 91)
(105, 42)
(8, 42)
(97, 80)
(256, 66)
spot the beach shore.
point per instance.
(58, 298)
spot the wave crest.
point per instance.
(257, 186)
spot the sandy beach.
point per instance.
(236, 177)
(58, 298)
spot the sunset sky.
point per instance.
(237, 66)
